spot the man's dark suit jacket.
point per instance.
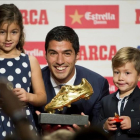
(132, 109)
(90, 107)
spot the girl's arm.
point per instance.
(39, 97)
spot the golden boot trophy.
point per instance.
(69, 94)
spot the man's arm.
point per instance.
(97, 106)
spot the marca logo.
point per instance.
(137, 16)
(94, 52)
(36, 49)
(95, 16)
(34, 17)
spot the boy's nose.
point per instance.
(120, 76)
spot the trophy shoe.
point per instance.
(69, 94)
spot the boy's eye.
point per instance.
(116, 72)
(127, 73)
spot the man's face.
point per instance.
(61, 60)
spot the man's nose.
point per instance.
(60, 59)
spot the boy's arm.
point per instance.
(130, 124)
(135, 126)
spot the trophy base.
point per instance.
(62, 119)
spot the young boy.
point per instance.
(126, 100)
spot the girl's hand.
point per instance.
(21, 94)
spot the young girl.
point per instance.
(20, 69)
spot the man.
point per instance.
(62, 52)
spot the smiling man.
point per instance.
(62, 52)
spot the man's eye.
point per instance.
(67, 54)
(52, 53)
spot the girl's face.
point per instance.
(9, 37)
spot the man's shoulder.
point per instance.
(45, 70)
(88, 72)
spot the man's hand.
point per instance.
(126, 123)
(76, 127)
(47, 128)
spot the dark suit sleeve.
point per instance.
(102, 119)
(96, 108)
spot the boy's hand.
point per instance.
(126, 123)
(110, 124)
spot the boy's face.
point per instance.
(125, 78)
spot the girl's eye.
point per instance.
(14, 32)
(2, 32)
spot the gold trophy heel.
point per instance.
(69, 94)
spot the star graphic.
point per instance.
(76, 17)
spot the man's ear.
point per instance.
(77, 56)
(46, 56)
(139, 77)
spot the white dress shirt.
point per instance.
(56, 84)
(120, 101)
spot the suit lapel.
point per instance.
(131, 101)
(48, 85)
(79, 76)
(114, 106)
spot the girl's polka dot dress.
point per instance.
(18, 71)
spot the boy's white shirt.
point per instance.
(120, 101)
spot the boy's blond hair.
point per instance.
(127, 54)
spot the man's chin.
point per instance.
(61, 78)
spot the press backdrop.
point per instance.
(102, 26)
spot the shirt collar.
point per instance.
(118, 96)
(56, 83)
